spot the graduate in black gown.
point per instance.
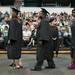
(15, 39)
(72, 64)
(44, 43)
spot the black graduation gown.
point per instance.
(44, 42)
(43, 31)
(73, 35)
(15, 37)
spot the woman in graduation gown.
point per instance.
(15, 39)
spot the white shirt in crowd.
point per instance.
(26, 35)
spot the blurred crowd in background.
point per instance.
(30, 24)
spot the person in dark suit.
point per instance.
(54, 35)
(72, 64)
(15, 39)
(44, 43)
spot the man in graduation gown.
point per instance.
(72, 64)
(15, 39)
(44, 43)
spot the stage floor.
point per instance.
(29, 61)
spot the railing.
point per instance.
(33, 51)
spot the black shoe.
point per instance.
(36, 69)
(50, 67)
(12, 65)
(21, 66)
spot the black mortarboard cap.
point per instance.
(44, 11)
(15, 9)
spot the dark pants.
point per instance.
(72, 53)
(67, 41)
(44, 52)
(56, 46)
(5, 41)
(25, 43)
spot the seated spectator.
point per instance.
(1, 40)
(5, 35)
(26, 35)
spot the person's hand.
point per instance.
(11, 42)
(8, 41)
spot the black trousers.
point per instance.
(56, 46)
(67, 41)
(44, 52)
